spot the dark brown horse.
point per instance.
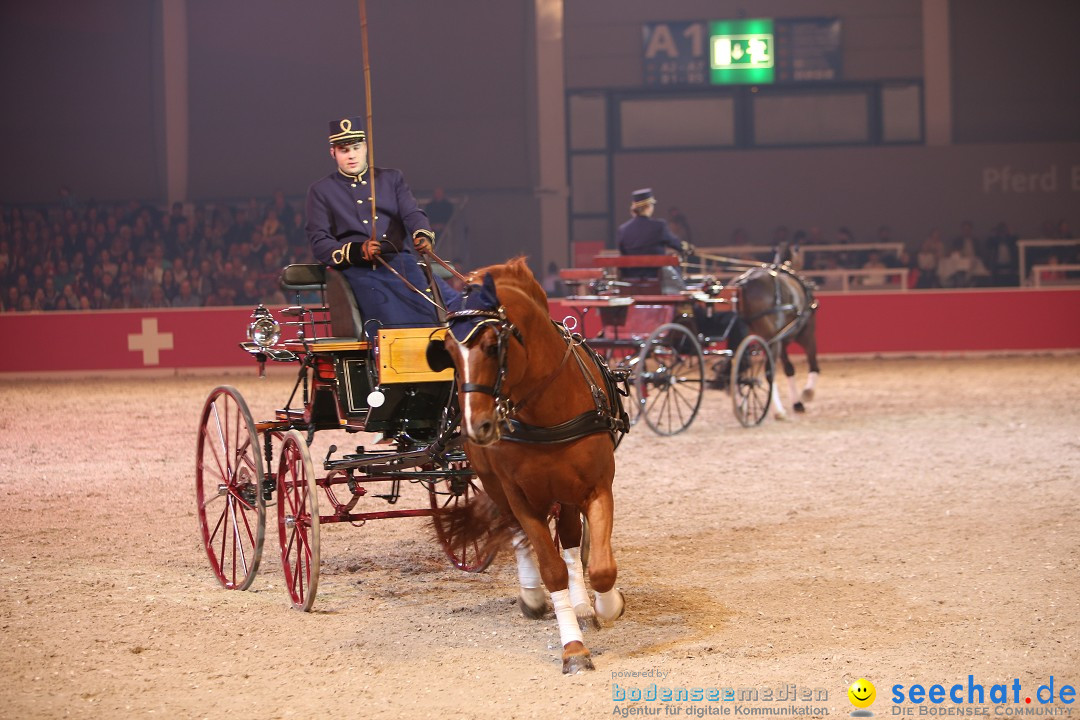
(777, 304)
(541, 416)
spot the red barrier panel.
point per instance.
(851, 323)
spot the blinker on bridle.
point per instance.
(503, 331)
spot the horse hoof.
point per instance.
(610, 606)
(800, 408)
(780, 415)
(586, 618)
(532, 602)
(577, 663)
(807, 394)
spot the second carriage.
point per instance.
(670, 338)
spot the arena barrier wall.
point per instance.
(924, 322)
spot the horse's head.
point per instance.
(478, 345)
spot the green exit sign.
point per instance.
(741, 51)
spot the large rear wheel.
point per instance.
(228, 488)
(752, 380)
(456, 502)
(298, 520)
(669, 379)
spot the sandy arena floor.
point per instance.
(918, 525)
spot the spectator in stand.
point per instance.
(845, 259)
(272, 231)
(185, 298)
(961, 267)
(125, 300)
(739, 237)
(1002, 256)
(874, 262)
(439, 211)
(169, 286)
(281, 207)
(972, 245)
(552, 283)
(157, 297)
(929, 256)
(680, 225)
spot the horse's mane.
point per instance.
(514, 274)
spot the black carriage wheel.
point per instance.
(451, 496)
(298, 521)
(228, 488)
(752, 380)
(669, 379)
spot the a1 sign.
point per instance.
(675, 53)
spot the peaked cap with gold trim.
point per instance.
(347, 131)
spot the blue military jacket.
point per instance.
(339, 211)
(642, 235)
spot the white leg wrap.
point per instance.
(564, 613)
(579, 595)
(778, 407)
(811, 380)
(528, 571)
(609, 605)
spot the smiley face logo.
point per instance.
(862, 693)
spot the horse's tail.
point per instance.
(478, 522)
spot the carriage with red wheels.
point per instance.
(348, 379)
(667, 338)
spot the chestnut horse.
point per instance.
(541, 416)
(778, 305)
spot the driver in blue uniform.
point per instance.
(644, 235)
(341, 233)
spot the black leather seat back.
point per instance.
(345, 320)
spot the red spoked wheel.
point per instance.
(298, 520)
(228, 488)
(457, 501)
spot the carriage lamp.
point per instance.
(264, 330)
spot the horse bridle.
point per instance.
(584, 424)
(504, 330)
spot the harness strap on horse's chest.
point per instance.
(587, 423)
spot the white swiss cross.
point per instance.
(150, 341)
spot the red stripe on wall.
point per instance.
(848, 323)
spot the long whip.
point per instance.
(367, 105)
(438, 302)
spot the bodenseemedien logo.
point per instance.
(862, 694)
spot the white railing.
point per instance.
(1054, 274)
(879, 278)
(1023, 245)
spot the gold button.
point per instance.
(363, 182)
(354, 184)
(365, 222)
(359, 201)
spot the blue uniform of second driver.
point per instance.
(339, 229)
(644, 235)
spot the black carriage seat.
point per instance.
(345, 320)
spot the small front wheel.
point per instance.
(752, 380)
(298, 520)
